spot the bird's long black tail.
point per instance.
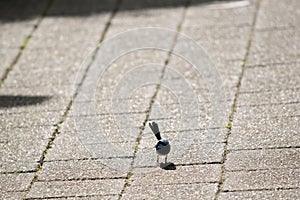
(155, 130)
(158, 136)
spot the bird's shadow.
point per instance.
(168, 166)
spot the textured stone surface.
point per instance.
(262, 179)
(182, 174)
(15, 182)
(265, 133)
(274, 96)
(262, 159)
(191, 191)
(11, 195)
(77, 170)
(271, 77)
(278, 46)
(115, 156)
(76, 188)
(289, 194)
(279, 16)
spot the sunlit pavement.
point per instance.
(50, 148)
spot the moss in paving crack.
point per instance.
(229, 125)
(25, 42)
(136, 148)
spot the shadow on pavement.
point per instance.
(168, 166)
(17, 10)
(9, 101)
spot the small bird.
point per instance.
(163, 146)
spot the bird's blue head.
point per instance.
(165, 141)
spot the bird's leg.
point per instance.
(166, 158)
(157, 160)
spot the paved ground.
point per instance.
(251, 153)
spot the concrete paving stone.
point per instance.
(48, 77)
(276, 96)
(262, 159)
(135, 74)
(190, 93)
(190, 107)
(173, 191)
(14, 157)
(182, 174)
(212, 14)
(246, 113)
(11, 195)
(15, 182)
(7, 56)
(136, 104)
(278, 46)
(92, 197)
(197, 153)
(202, 136)
(29, 120)
(177, 124)
(112, 135)
(75, 188)
(175, 104)
(265, 133)
(72, 145)
(120, 106)
(78, 169)
(281, 15)
(225, 50)
(60, 32)
(18, 149)
(289, 194)
(262, 179)
(215, 135)
(225, 65)
(271, 77)
(219, 33)
(116, 103)
(67, 145)
(23, 147)
(123, 84)
(183, 95)
(110, 121)
(101, 129)
(107, 150)
(183, 73)
(169, 105)
(14, 165)
(62, 150)
(13, 34)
